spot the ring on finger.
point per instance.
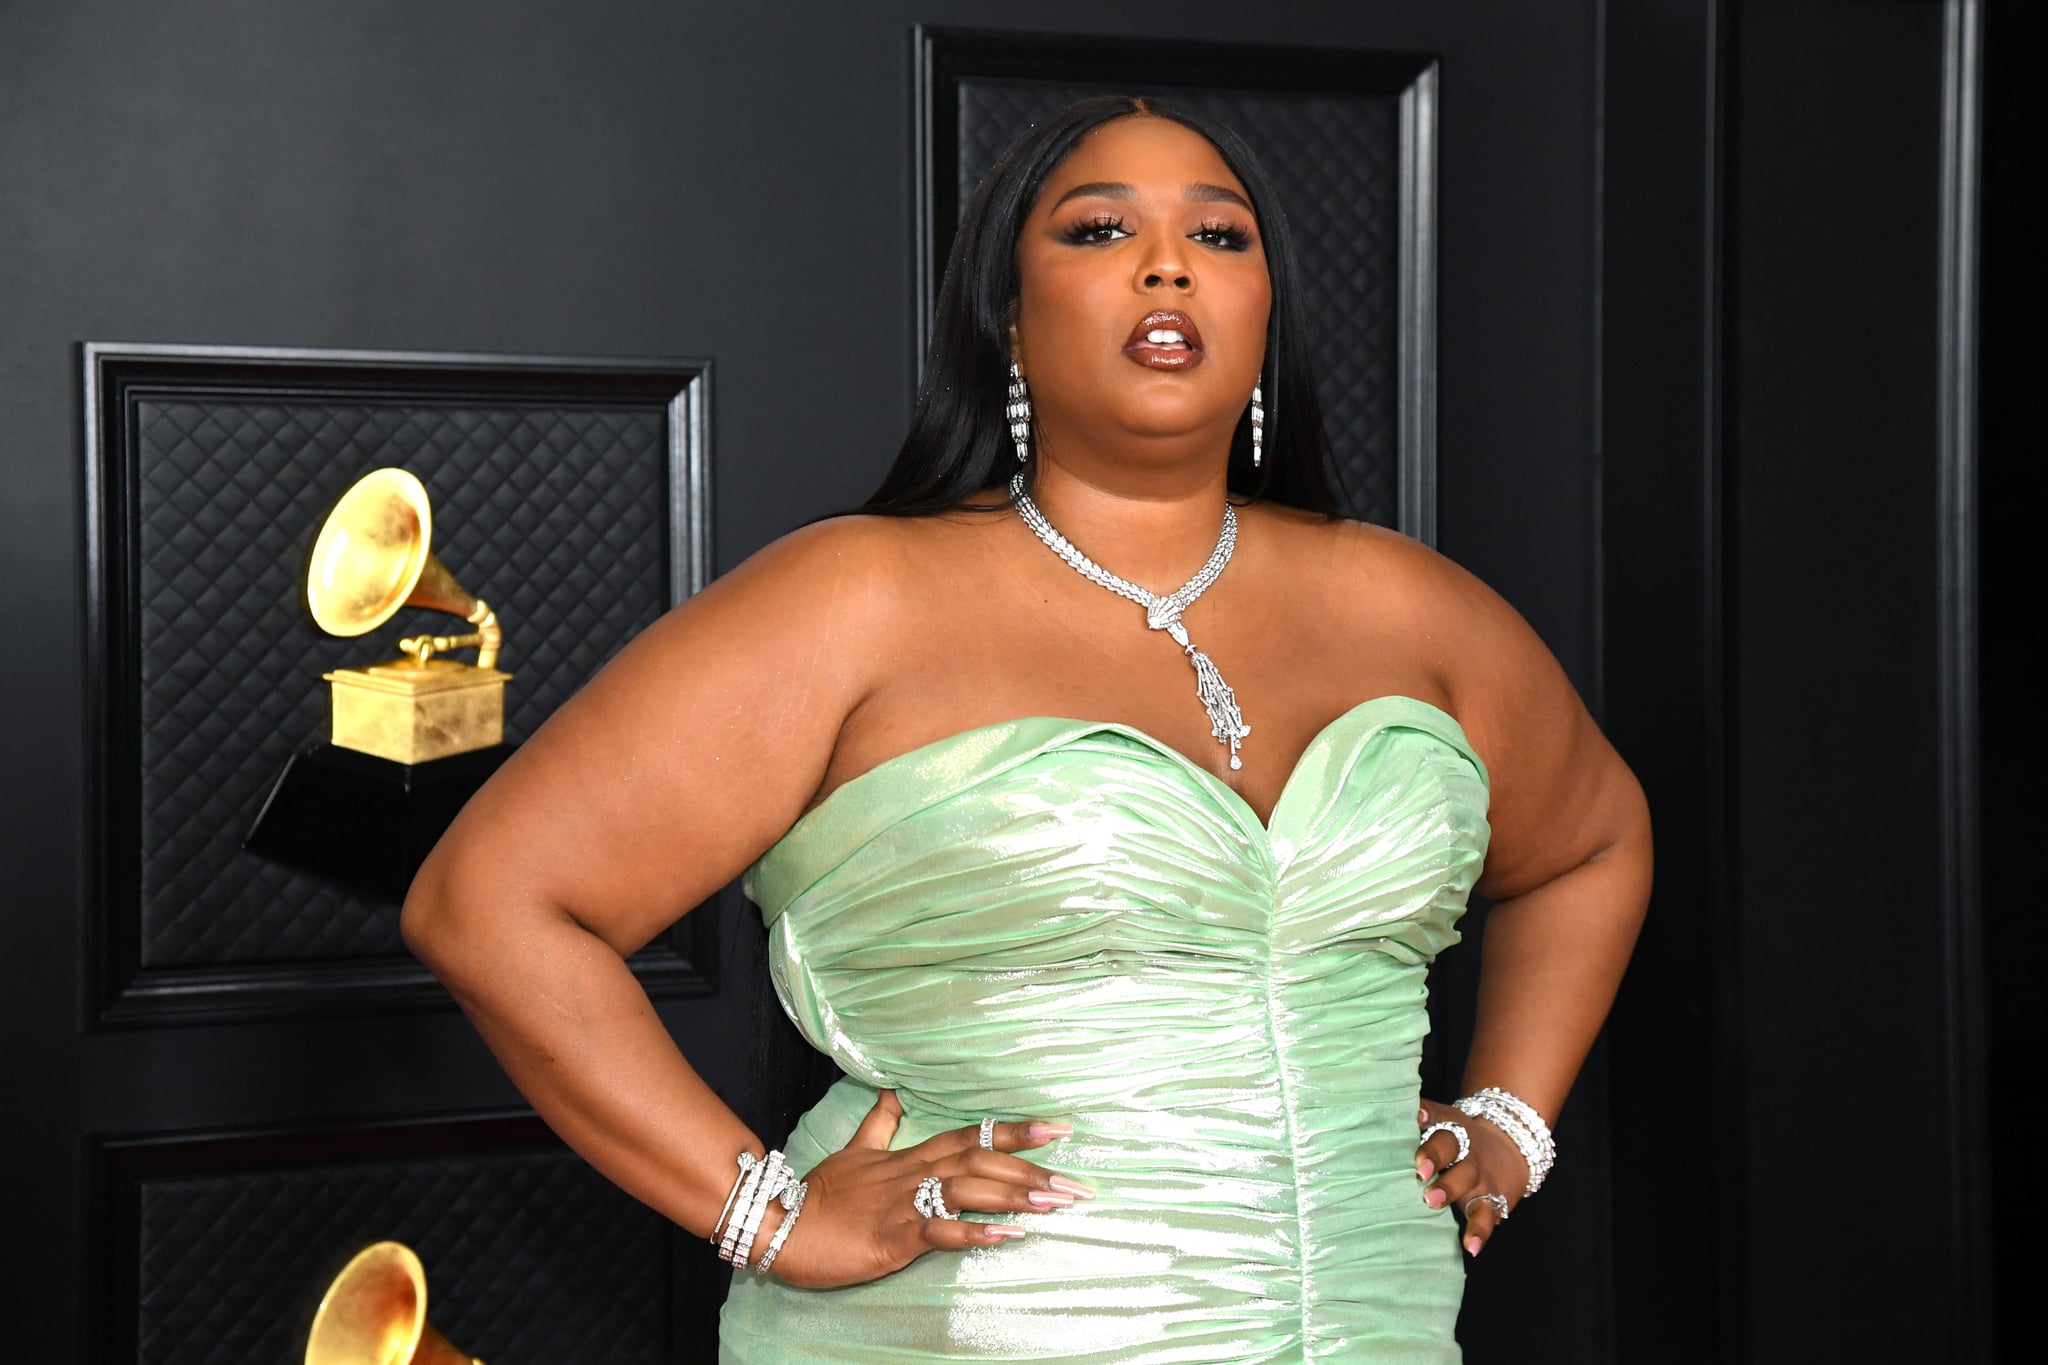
(1456, 1130)
(930, 1202)
(1499, 1202)
(988, 1134)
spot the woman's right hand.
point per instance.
(859, 1221)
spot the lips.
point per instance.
(1166, 339)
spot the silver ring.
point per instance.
(988, 1134)
(1456, 1130)
(1499, 1202)
(931, 1204)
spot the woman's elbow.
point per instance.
(430, 922)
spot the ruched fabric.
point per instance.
(1068, 920)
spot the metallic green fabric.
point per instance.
(1068, 920)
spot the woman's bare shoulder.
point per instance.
(866, 570)
(1364, 567)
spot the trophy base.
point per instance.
(415, 713)
(365, 822)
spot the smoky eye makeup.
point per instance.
(1094, 228)
(1091, 228)
(1226, 234)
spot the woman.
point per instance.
(1129, 1008)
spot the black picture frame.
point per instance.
(667, 401)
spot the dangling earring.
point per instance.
(1258, 426)
(1019, 411)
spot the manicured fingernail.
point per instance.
(1046, 1132)
(1436, 1199)
(1424, 1169)
(1073, 1187)
(1048, 1199)
(1000, 1232)
(1422, 1118)
(1472, 1245)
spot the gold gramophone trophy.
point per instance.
(375, 1313)
(412, 738)
(373, 556)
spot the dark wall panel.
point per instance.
(1666, 678)
(1837, 554)
(529, 1254)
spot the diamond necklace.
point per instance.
(1226, 722)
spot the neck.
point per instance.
(1156, 528)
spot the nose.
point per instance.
(1165, 262)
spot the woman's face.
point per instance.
(1142, 219)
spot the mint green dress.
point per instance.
(1068, 920)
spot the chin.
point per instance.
(1165, 420)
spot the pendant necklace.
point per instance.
(1226, 722)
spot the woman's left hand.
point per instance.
(1494, 1165)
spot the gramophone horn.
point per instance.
(375, 1313)
(374, 555)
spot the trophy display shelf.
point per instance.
(363, 821)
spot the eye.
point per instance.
(1228, 236)
(1094, 230)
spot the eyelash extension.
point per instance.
(1234, 238)
(1078, 233)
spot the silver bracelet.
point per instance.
(1530, 1119)
(1522, 1125)
(773, 1181)
(747, 1161)
(749, 1184)
(792, 1205)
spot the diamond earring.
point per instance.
(1258, 426)
(1019, 411)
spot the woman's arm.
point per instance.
(1568, 869)
(655, 785)
(658, 783)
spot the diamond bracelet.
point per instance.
(1522, 1125)
(763, 1180)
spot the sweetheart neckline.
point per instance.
(1229, 794)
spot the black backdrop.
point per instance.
(1704, 417)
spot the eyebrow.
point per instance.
(1201, 193)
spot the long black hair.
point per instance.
(959, 441)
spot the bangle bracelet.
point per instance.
(1522, 1125)
(748, 1185)
(773, 1182)
(747, 1160)
(1509, 1124)
(793, 1204)
(1522, 1110)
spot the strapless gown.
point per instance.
(1069, 920)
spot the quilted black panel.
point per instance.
(530, 1256)
(556, 515)
(1335, 164)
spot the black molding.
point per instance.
(1730, 1132)
(121, 991)
(680, 964)
(1416, 328)
(1971, 1278)
(942, 58)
